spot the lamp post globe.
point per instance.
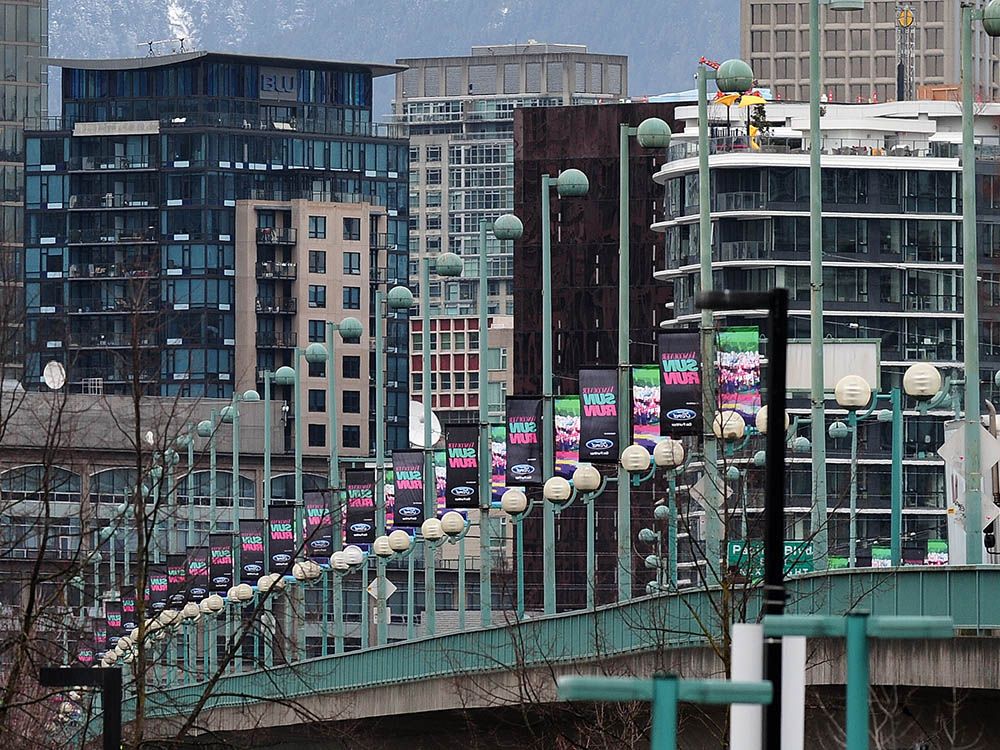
(734, 76)
(728, 425)
(852, 392)
(353, 555)
(647, 536)
(448, 264)
(250, 395)
(215, 603)
(231, 595)
(668, 453)
(381, 546)
(431, 529)
(652, 562)
(514, 502)
(399, 298)
(244, 592)
(572, 183)
(315, 353)
(399, 541)
(838, 430)
(284, 375)
(991, 18)
(508, 227)
(586, 478)
(653, 133)
(801, 444)
(661, 512)
(922, 381)
(338, 562)
(635, 459)
(350, 330)
(226, 414)
(452, 523)
(205, 428)
(557, 490)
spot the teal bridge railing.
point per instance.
(967, 594)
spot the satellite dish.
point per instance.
(417, 426)
(54, 375)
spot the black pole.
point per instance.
(774, 504)
(108, 680)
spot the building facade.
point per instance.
(892, 247)
(194, 219)
(584, 300)
(460, 115)
(859, 57)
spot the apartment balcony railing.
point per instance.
(112, 236)
(100, 340)
(277, 339)
(276, 236)
(277, 306)
(275, 270)
(110, 163)
(114, 200)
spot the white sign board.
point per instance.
(390, 589)
(840, 357)
(953, 453)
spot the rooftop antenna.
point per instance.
(153, 43)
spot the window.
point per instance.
(317, 331)
(352, 229)
(433, 221)
(433, 153)
(317, 399)
(433, 177)
(317, 261)
(317, 435)
(352, 298)
(317, 227)
(433, 198)
(352, 264)
(317, 295)
(459, 381)
(414, 153)
(352, 402)
(473, 339)
(317, 369)
(445, 341)
(352, 367)
(351, 436)
(418, 382)
(445, 380)
(496, 359)
(460, 342)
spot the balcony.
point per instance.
(379, 242)
(111, 236)
(110, 163)
(277, 339)
(109, 271)
(276, 236)
(274, 270)
(112, 339)
(113, 200)
(277, 306)
(118, 305)
(739, 201)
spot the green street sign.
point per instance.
(748, 559)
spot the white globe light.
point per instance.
(313, 570)
(244, 592)
(299, 571)
(215, 603)
(431, 530)
(922, 381)
(728, 425)
(231, 595)
(338, 561)
(264, 583)
(203, 607)
(760, 421)
(381, 547)
(668, 453)
(635, 459)
(399, 541)
(514, 502)
(353, 555)
(453, 523)
(586, 478)
(279, 581)
(557, 490)
(190, 611)
(852, 392)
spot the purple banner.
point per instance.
(408, 477)
(462, 489)
(280, 538)
(680, 383)
(251, 550)
(318, 526)
(360, 489)
(524, 449)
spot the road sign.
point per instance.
(953, 449)
(390, 589)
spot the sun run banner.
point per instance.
(318, 525)
(680, 383)
(498, 454)
(176, 580)
(197, 573)
(408, 478)
(524, 449)
(646, 406)
(100, 640)
(251, 550)
(462, 487)
(157, 587)
(113, 618)
(567, 423)
(738, 361)
(599, 404)
(360, 488)
(129, 622)
(280, 538)
(220, 563)
(86, 654)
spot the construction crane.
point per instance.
(906, 71)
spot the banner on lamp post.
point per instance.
(251, 550)
(408, 479)
(197, 574)
(567, 438)
(646, 406)
(280, 538)
(498, 456)
(176, 581)
(738, 365)
(680, 383)
(113, 618)
(220, 563)
(318, 526)
(462, 485)
(524, 449)
(360, 490)
(157, 587)
(129, 622)
(599, 440)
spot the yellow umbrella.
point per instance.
(749, 100)
(727, 99)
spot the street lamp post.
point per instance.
(516, 505)
(346, 561)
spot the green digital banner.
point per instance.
(881, 557)
(937, 552)
(567, 437)
(738, 360)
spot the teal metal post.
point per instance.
(236, 452)
(519, 562)
(672, 530)
(365, 604)
(383, 626)
(970, 297)
(624, 494)
(335, 491)
(190, 497)
(591, 553)
(267, 437)
(461, 584)
(852, 422)
(297, 413)
(713, 502)
(857, 680)
(548, 434)
(430, 486)
(896, 484)
(485, 451)
(665, 697)
(816, 392)
(410, 597)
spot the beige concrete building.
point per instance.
(301, 263)
(859, 57)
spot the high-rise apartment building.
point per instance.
(460, 114)
(24, 35)
(194, 219)
(859, 48)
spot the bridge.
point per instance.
(488, 671)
